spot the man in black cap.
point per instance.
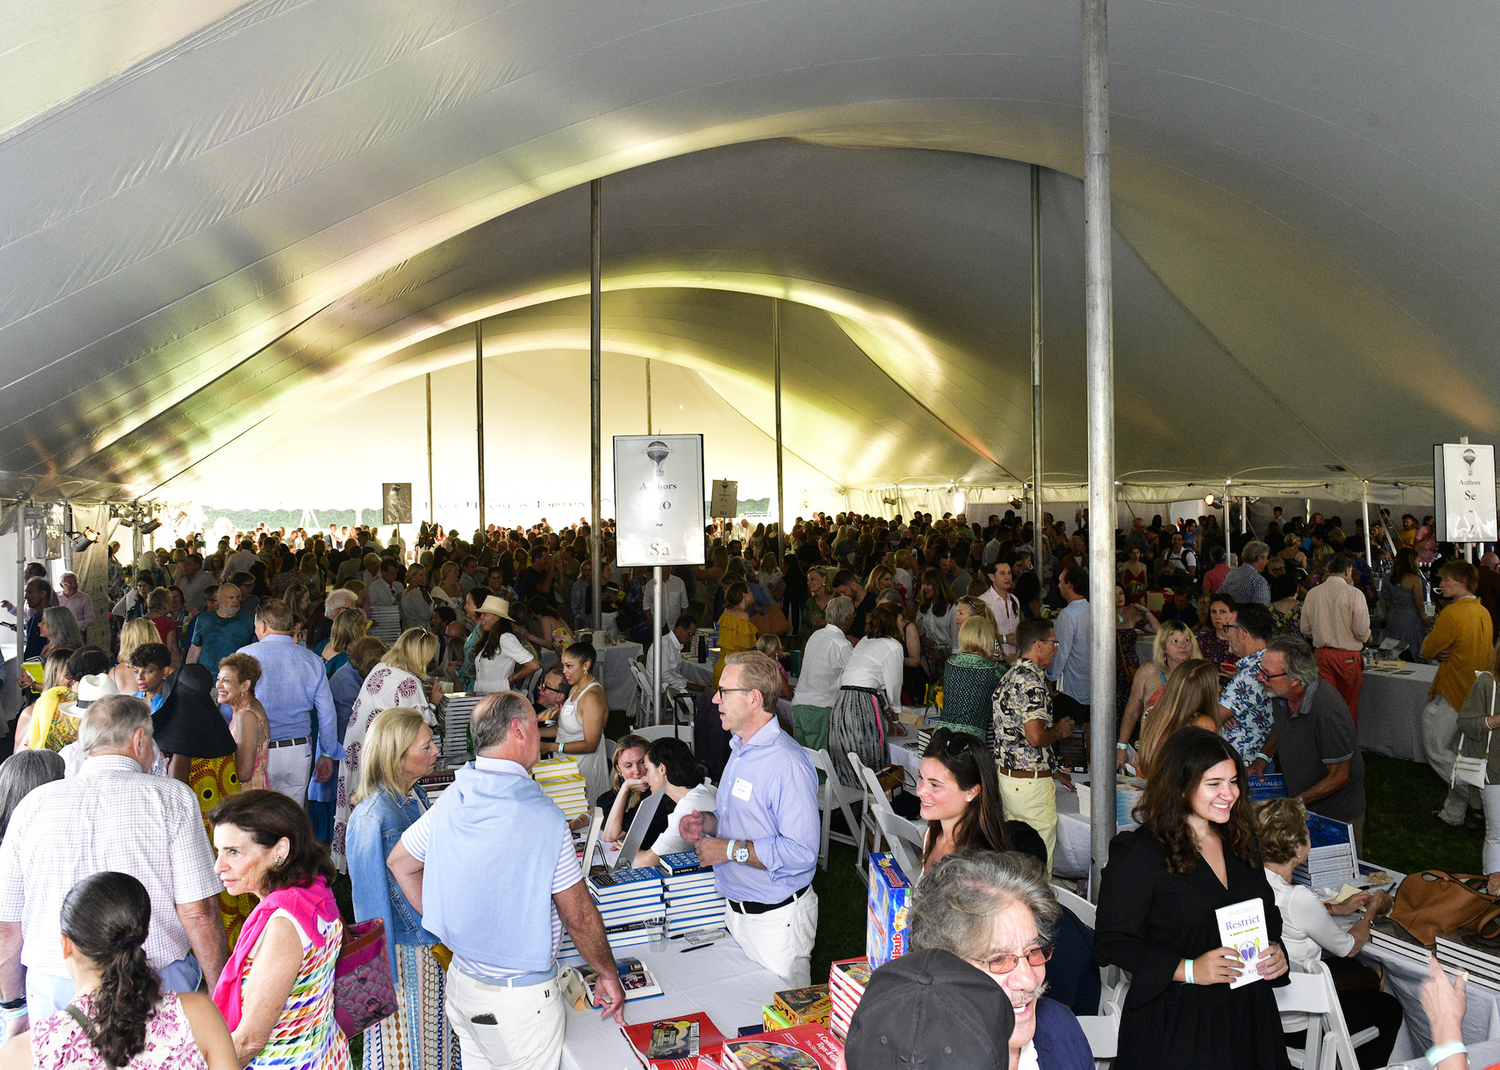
(930, 1009)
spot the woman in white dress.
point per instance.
(395, 681)
(501, 660)
(580, 721)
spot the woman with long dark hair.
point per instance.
(120, 1017)
(1196, 850)
(960, 797)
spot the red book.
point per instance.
(675, 1043)
(800, 1048)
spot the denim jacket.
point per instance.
(374, 827)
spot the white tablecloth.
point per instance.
(1390, 712)
(718, 981)
(695, 672)
(612, 671)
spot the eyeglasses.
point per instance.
(1002, 964)
(726, 690)
(554, 690)
(1269, 675)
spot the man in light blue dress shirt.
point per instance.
(1070, 666)
(763, 838)
(293, 688)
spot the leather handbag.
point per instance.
(1432, 902)
(771, 622)
(363, 994)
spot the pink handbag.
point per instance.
(363, 994)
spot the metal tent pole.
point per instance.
(1099, 322)
(1036, 363)
(15, 680)
(1228, 546)
(595, 361)
(648, 396)
(780, 487)
(658, 577)
(1364, 508)
(431, 490)
(479, 410)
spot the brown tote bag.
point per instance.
(1432, 902)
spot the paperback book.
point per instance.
(1242, 926)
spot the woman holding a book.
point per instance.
(1184, 905)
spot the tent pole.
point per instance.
(1036, 359)
(658, 577)
(1244, 513)
(479, 410)
(431, 492)
(15, 677)
(780, 486)
(1099, 321)
(595, 360)
(648, 396)
(1228, 550)
(1364, 508)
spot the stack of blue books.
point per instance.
(688, 889)
(631, 904)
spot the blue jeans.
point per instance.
(47, 993)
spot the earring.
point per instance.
(281, 861)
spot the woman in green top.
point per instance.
(970, 679)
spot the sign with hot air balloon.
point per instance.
(658, 500)
(1463, 489)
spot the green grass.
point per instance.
(1400, 830)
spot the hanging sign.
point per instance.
(658, 500)
(397, 501)
(1463, 490)
(726, 498)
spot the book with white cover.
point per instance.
(1242, 926)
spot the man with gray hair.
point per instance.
(112, 816)
(1247, 583)
(494, 828)
(996, 912)
(1313, 740)
(823, 660)
(1336, 618)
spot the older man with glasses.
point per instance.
(1314, 738)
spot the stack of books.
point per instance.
(434, 783)
(385, 624)
(687, 1042)
(563, 784)
(803, 1047)
(1387, 935)
(1470, 951)
(630, 902)
(452, 730)
(889, 908)
(688, 890)
(1331, 862)
(811, 1005)
(846, 984)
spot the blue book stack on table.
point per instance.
(688, 889)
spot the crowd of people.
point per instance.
(235, 739)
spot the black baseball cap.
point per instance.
(930, 1009)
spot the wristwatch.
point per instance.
(741, 851)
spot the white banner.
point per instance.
(658, 500)
(1463, 488)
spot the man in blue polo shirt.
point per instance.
(495, 830)
(763, 838)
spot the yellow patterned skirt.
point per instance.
(213, 780)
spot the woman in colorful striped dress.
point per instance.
(276, 991)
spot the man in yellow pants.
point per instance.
(1024, 734)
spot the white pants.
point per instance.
(288, 769)
(780, 940)
(1491, 828)
(517, 1028)
(1440, 739)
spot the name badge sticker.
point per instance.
(741, 789)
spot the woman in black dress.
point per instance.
(1196, 851)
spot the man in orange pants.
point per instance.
(1337, 620)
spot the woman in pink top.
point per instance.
(120, 1015)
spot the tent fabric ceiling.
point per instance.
(233, 216)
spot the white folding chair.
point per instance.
(904, 840)
(683, 704)
(640, 706)
(832, 794)
(596, 826)
(683, 732)
(875, 799)
(1329, 1045)
(1103, 1029)
(1112, 980)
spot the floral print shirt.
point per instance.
(1250, 706)
(1022, 696)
